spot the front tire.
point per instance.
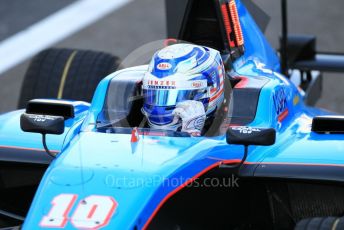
(321, 223)
(66, 74)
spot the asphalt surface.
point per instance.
(19, 14)
(143, 21)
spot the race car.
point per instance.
(270, 161)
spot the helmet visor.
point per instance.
(172, 96)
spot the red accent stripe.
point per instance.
(65, 214)
(226, 162)
(170, 41)
(242, 83)
(111, 212)
(217, 95)
(226, 21)
(184, 185)
(214, 89)
(29, 149)
(237, 27)
(283, 115)
(93, 210)
(134, 135)
(294, 164)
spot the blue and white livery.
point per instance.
(178, 73)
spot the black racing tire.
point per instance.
(321, 223)
(66, 74)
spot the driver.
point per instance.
(183, 87)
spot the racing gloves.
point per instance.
(192, 115)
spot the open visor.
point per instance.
(171, 97)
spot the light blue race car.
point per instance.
(267, 160)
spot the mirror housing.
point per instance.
(242, 135)
(328, 124)
(43, 124)
(51, 107)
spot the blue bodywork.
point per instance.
(92, 163)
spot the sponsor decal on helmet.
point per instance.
(197, 84)
(164, 66)
(161, 83)
(173, 84)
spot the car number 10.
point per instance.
(93, 212)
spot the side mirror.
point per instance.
(328, 124)
(243, 135)
(43, 124)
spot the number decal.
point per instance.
(93, 212)
(61, 206)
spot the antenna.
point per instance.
(284, 39)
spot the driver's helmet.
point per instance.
(182, 72)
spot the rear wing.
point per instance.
(299, 52)
(325, 62)
(303, 55)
